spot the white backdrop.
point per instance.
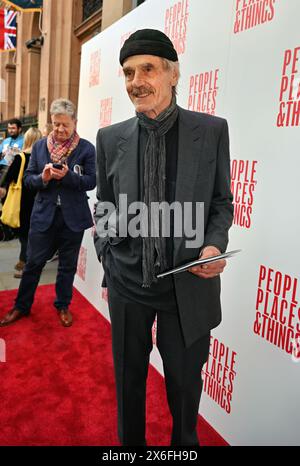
(246, 51)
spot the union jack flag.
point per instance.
(8, 29)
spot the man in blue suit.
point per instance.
(61, 170)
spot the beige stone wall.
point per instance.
(114, 10)
(34, 77)
(60, 57)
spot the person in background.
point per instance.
(9, 147)
(60, 212)
(13, 143)
(47, 130)
(27, 199)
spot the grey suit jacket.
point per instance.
(203, 175)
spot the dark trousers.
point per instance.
(23, 241)
(132, 344)
(41, 246)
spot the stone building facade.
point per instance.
(47, 68)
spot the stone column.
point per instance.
(60, 58)
(23, 26)
(33, 81)
(8, 80)
(9, 106)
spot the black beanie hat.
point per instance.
(148, 42)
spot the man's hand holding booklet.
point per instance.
(210, 263)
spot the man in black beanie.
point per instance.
(163, 154)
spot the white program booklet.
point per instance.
(188, 265)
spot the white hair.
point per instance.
(170, 66)
(63, 107)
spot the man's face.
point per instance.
(13, 130)
(149, 84)
(63, 126)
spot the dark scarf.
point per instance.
(154, 257)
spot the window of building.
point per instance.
(90, 7)
(136, 3)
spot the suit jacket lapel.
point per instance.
(72, 157)
(191, 140)
(128, 153)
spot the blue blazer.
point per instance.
(80, 178)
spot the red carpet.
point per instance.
(57, 384)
